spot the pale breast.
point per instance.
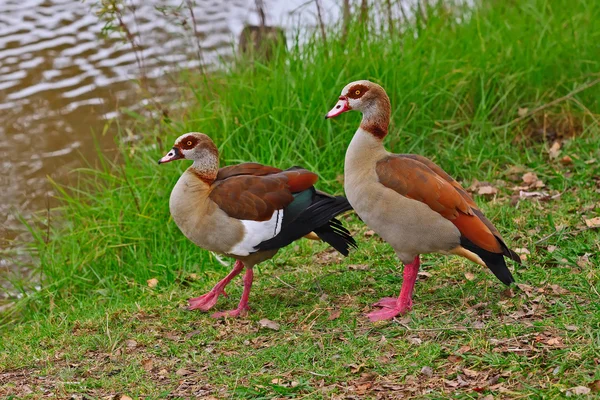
(199, 219)
(409, 226)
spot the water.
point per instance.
(61, 80)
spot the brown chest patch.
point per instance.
(375, 129)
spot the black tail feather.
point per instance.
(336, 236)
(318, 216)
(494, 261)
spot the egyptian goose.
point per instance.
(248, 211)
(409, 201)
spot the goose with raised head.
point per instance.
(248, 211)
(410, 201)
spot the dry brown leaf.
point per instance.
(572, 328)
(529, 178)
(358, 267)
(579, 390)
(125, 397)
(267, 323)
(335, 314)
(566, 160)
(595, 386)
(584, 261)
(522, 111)
(470, 373)
(182, 372)
(131, 344)
(553, 342)
(590, 161)
(554, 150)
(551, 248)
(487, 190)
(369, 233)
(355, 368)
(427, 371)
(152, 282)
(470, 276)
(147, 364)
(593, 222)
(455, 359)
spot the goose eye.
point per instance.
(189, 142)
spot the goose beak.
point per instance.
(172, 155)
(340, 107)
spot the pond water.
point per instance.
(61, 80)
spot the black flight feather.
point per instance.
(494, 261)
(313, 211)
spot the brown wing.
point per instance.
(413, 178)
(255, 198)
(255, 169)
(438, 170)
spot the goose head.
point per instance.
(194, 146)
(371, 100)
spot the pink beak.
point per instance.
(340, 107)
(172, 155)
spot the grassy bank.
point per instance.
(490, 98)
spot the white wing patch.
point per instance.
(256, 232)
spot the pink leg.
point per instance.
(392, 307)
(208, 300)
(242, 307)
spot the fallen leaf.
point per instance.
(530, 178)
(358, 267)
(267, 323)
(553, 341)
(584, 261)
(277, 381)
(470, 373)
(470, 276)
(427, 371)
(354, 368)
(147, 364)
(487, 190)
(488, 397)
(551, 248)
(414, 340)
(455, 359)
(523, 253)
(522, 111)
(369, 232)
(595, 386)
(572, 328)
(182, 372)
(152, 282)
(566, 160)
(580, 390)
(554, 150)
(590, 161)
(593, 222)
(131, 344)
(125, 397)
(463, 349)
(335, 314)
(451, 383)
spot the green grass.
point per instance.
(455, 88)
